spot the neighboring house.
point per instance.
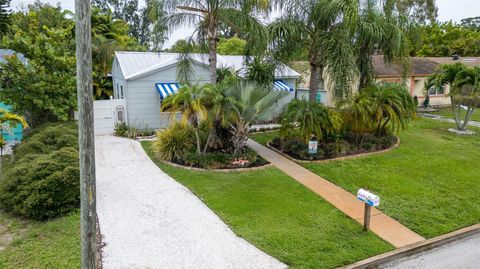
(14, 134)
(144, 79)
(420, 69)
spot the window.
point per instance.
(434, 90)
(121, 92)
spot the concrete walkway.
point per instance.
(148, 220)
(384, 226)
(445, 119)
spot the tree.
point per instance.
(323, 27)
(420, 11)
(376, 33)
(447, 39)
(207, 16)
(232, 46)
(247, 101)
(4, 16)
(261, 71)
(471, 23)
(189, 101)
(464, 89)
(146, 24)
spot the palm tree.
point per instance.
(323, 28)
(247, 101)
(464, 89)
(208, 15)
(311, 118)
(189, 101)
(376, 32)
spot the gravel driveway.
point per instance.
(148, 220)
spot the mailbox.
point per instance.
(368, 197)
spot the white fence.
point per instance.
(108, 112)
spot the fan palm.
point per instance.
(247, 101)
(208, 15)
(323, 28)
(188, 101)
(464, 89)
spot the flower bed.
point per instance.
(350, 146)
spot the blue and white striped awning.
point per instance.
(166, 89)
(280, 85)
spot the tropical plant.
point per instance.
(207, 15)
(173, 143)
(247, 101)
(232, 46)
(311, 118)
(464, 89)
(323, 27)
(261, 71)
(190, 102)
(4, 15)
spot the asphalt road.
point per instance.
(463, 254)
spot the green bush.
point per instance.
(43, 180)
(213, 160)
(122, 129)
(173, 143)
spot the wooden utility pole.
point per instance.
(86, 138)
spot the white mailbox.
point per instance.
(368, 197)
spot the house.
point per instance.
(144, 79)
(14, 134)
(420, 69)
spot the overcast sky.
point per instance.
(454, 10)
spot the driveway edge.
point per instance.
(374, 262)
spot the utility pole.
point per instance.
(86, 138)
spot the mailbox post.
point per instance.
(370, 200)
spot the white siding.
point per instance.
(143, 100)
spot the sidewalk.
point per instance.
(382, 225)
(445, 119)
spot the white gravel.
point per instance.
(148, 220)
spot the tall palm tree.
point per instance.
(323, 28)
(189, 101)
(377, 33)
(247, 101)
(208, 15)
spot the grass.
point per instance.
(52, 244)
(446, 112)
(431, 183)
(264, 138)
(280, 216)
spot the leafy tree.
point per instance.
(421, 11)
(147, 24)
(261, 71)
(311, 118)
(323, 27)
(207, 16)
(232, 46)
(472, 23)
(183, 45)
(4, 15)
(464, 89)
(447, 39)
(247, 101)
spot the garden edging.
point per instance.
(348, 157)
(248, 169)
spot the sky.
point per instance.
(454, 10)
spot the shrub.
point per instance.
(123, 130)
(42, 186)
(173, 143)
(213, 160)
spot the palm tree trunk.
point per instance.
(314, 80)
(467, 117)
(199, 143)
(212, 45)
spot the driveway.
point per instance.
(463, 254)
(148, 220)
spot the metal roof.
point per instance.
(8, 52)
(137, 64)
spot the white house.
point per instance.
(144, 79)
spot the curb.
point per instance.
(374, 262)
(348, 157)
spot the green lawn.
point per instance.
(449, 114)
(52, 244)
(264, 138)
(280, 216)
(431, 183)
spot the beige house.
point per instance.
(420, 69)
